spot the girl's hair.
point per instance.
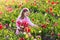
(22, 12)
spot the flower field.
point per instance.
(44, 13)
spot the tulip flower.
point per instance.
(32, 19)
(55, 24)
(26, 1)
(52, 14)
(52, 33)
(19, 23)
(13, 1)
(46, 10)
(21, 39)
(9, 9)
(25, 24)
(51, 10)
(34, 0)
(43, 25)
(1, 27)
(20, 5)
(34, 3)
(59, 34)
(6, 0)
(53, 3)
(48, 1)
(57, 2)
(13, 21)
(27, 29)
(1, 12)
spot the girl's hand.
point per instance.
(36, 25)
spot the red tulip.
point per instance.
(19, 23)
(13, 20)
(20, 5)
(1, 27)
(59, 34)
(25, 24)
(43, 25)
(13, 1)
(1, 12)
(52, 34)
(34, 0)
(21, 39)
(48, 1)
(53, 3)
(57, 2)
(50, 9)
(34, 3)
(55, 24)
(26, 0)
(6, 0)
(46, 10)
(27, 29)
(32, 19)
(52, 14)
(9, 9)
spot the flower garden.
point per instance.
(44, 13)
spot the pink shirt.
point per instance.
(21, 20)
(25, 19)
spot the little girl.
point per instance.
(23, 20)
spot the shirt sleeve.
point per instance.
(18, 24)
(30, 23)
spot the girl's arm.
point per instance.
(30, 23)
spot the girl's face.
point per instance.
(26, 13)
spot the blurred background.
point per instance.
(44, 13)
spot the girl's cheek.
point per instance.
(25, 14)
